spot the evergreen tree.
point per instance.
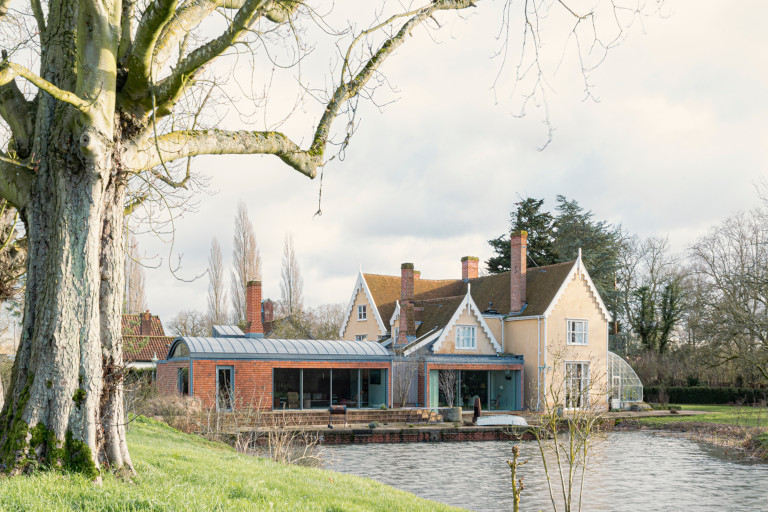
(599, 241)
(527, 216)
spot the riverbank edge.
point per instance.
(752, 442)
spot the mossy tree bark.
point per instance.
(91, 126)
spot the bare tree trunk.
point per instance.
(115, 448)
(54, 408)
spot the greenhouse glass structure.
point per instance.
(624, 384)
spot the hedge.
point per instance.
(706, 395)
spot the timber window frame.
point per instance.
(576, 385)
(361, 337)
(362, 313)
(225, 388)
(466, 337)
(577, 332)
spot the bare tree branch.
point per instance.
(16, 181)
(37, 10)
(9, 71)
(18, 113)
(183, 144)
(347, 90)
(173, 86)
(153, 20)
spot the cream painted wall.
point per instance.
(484, 345)
(578, 303)
(522, 337)
(369, 327)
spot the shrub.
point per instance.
(373, 425)
(704, 395)
(383, 407)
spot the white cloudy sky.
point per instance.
(675, 145)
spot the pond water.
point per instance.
(632, 471)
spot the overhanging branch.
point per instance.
(183, 144)
(347, 90)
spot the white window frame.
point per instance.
(466, 337)
(361, 337)
(572, 335)
(576, 375)
(362, 313)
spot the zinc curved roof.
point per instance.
(274, 348)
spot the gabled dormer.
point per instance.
(363, 320)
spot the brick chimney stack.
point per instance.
(253, 326)
(407, 321)
(469, 267)
(146, 323)
(518, 271)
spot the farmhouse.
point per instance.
(233, 370)
(512, 337)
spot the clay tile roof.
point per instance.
(143, 340)
(144, 348)
(439, 298)
(133, 326)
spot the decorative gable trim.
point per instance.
(395, 313)
(468, 302)
(362, 285)
(581, 270)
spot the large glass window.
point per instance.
(345, 389)
(182, 381)
(310, 388)
(466, 337)
(317, 388)
(373, 388)
(225, 387)
(287, 388)
(505, 390)
(474, 384)
(576, 385)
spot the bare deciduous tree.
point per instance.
(405, 371)
(291, 282)
(246, 263)
(135, 298)
(189, 323)
(447, 382)
(115, 102)
(731, 262)
(217, 295)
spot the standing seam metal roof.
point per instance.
(255, 347)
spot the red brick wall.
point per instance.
(167, 376)
(253, 308)
(253, 379)
(469, 267)
(518, 269)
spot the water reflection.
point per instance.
(632, 471)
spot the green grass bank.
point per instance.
(716, 414)
(180, 472)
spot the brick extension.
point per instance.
(252, 379)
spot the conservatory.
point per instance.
(624, 384)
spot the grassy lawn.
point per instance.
(724, 414)
(180, 472)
